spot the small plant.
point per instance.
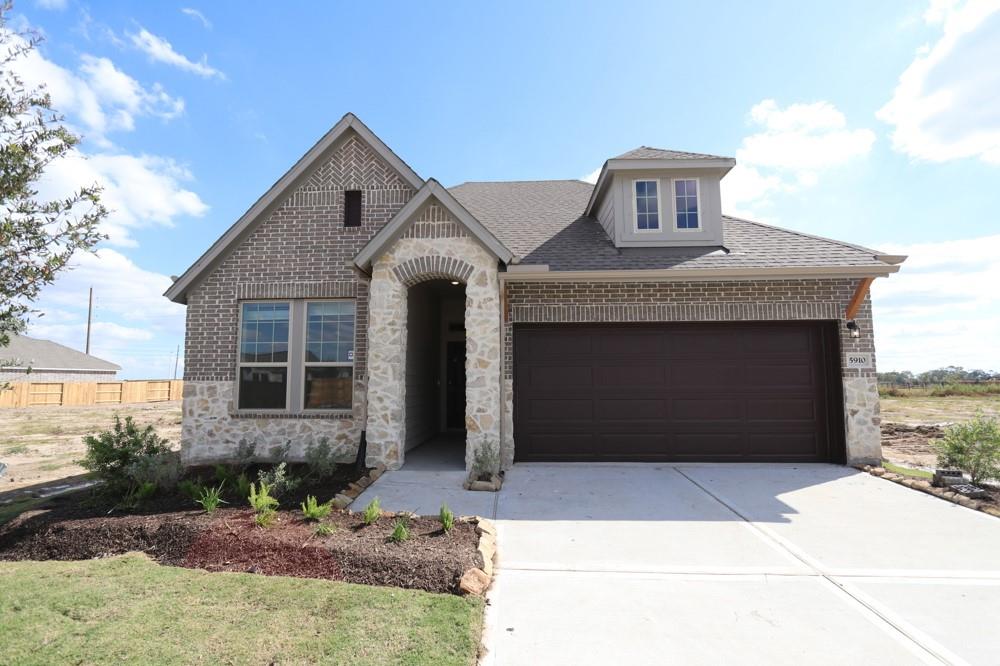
(973, 447)
(210, 498)
(242, 485)
(324, 530)
(261, 499)
(319, 459)
(265, 518)
(372, 512)
(138, 494)
(313, 510)
(245, 452)
(279, 452)
(117, 456)
(486, 461)
(224, 474)
(279, 480)
(191, 488)
(447, 518)
(400, 531)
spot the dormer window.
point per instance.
(686, 204)
(647, 205)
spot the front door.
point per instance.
(455, 385)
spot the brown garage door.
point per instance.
(677, 392)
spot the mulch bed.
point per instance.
(79, 526)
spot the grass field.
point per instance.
(129, 609)
(927, 410)
(41, 444)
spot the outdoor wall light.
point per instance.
(852, 326)
(456, 282)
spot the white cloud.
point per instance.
(161, 50)
(139, 190)
(198, 16)
(946, 105)
(592, 176)
(942, 308)
(99, 97)
(789, 150)
(134, 325)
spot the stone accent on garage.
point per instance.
(678, 301)
(211, 429)
(425, 253)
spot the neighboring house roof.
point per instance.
(397, 225)
(292, 178)
(47, 355)
(647, 153)
(542, 223)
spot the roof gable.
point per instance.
(303, 172)
(432, 190)
(648, 153)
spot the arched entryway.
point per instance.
(435, 402)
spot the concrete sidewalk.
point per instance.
(768, 564)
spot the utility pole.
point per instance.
(177, 357)
(90, 311)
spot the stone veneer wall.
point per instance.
(706, 301)
(301, 250)
(433, 247)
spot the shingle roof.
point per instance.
(543, 223)
(25, 351)
(647, 153)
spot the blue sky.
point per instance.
(875, 123)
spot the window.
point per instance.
(296, 355)
(647, 205)
(263, 367)
(686, 203)
(329, 358)
(352, 208)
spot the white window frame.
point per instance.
(635, 207)
(240, 364)
(296, 363)
(673, 203)
(324, 364)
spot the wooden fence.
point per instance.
(32, 394)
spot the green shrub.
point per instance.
(447, 518)
(279, 452)
(210, 498)
(278, 480)
(138, 493)
(261, 500)
(973, 447)
(245, 452)
(372, 512)
(161, 469)
(313, 510)
(224, 474)
(486, 461)
(191, 488)
(400, 531)
(324, 529)
(319, 459)
(122, 456)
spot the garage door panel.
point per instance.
(686, 392)
(705, 373)
(707, 408)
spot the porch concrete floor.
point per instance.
(708, 564)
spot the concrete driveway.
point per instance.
(710, 564)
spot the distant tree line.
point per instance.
(949, 375)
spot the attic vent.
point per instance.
(352, 208)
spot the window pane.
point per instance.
(651, 188)
(640, 189)
(328, 387)
(263, 388)
(265, 324)
(653, 221)
(330, 331)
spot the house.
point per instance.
(553, 320)
(32, 360)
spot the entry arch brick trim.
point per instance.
(434, 267)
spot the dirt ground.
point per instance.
(909, 425)
(42, 444)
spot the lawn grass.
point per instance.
(130, 609)
(907, 471)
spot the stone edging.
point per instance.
(355, 488)
(925, 486)
(475, 580)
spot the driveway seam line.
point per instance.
(836, 585)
